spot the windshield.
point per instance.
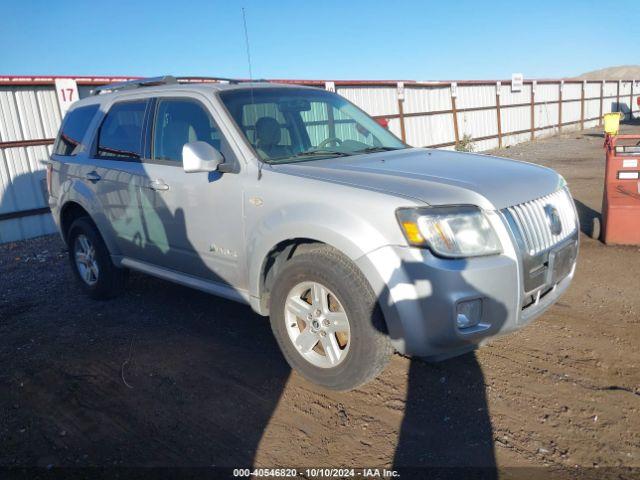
(288, 124)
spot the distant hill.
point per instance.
(622, 72)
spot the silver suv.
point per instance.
(296, 202)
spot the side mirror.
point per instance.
(200, 157)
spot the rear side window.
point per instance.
(74, 129)
(120, 135)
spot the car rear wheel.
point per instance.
(326, 320)
(91, 262)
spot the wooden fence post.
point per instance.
(533, 110)
(560, 88)
(400, 91)
(584, 87)
(631, 101)
(454, 111)
(498, 88)
(601, 101)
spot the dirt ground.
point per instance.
(165, 375)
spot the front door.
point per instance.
(200, 213)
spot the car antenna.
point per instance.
(246, 41)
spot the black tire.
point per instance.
(369, 348)
(110, 279)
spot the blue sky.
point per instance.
(325, 39)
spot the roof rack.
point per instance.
(143, 82)
(233, 81)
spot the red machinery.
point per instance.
(621, 201)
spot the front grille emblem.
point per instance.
(555, 225)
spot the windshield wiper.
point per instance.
(311, 153)
(376, 149)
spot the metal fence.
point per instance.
(481, 115)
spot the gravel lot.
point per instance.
(169, 376)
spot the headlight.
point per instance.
(449, 231)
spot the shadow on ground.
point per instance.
(165, 375)
(589, 219)
(446, 419)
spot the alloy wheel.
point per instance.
(317, 324)
(85, 257)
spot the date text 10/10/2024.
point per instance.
(316, 472)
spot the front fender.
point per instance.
(348, 232)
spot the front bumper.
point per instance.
(419, 293)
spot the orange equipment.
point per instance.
(621, 201)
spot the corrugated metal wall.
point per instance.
(26, 114)
(431, 113)
(437, 114)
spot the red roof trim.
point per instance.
(50, 79)
(25, 80)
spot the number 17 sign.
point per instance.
(67, 92)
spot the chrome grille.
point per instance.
(534, 224)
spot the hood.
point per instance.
(436, 177)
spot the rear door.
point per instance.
(71, 158)
(119, 174)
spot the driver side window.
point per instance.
(180, 121)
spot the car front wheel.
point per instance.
(326, 320)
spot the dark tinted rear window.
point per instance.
(121, 131)
(74, 128)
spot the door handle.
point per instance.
(158, 185)
(92, 176)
